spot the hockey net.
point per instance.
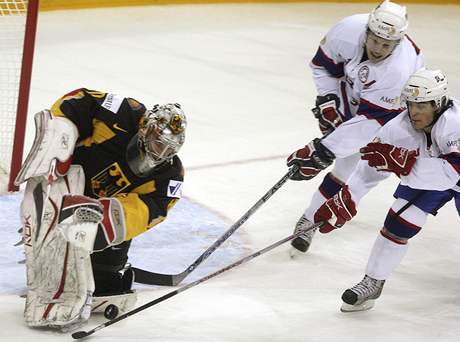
(17, 34)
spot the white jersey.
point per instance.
(369, 92)
(438, 165)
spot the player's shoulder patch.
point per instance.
(363, 73)
(112, 102)
(175, 189)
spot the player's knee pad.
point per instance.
(52, 149)
(407, 224)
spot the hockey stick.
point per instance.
(414, 199)
(152, 278)
(82, 334)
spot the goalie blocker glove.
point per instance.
(92, 224)
(311, 159)
(327, 113)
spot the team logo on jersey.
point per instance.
(109, 181)
(116, 125)
(363, 73)
(175, 189)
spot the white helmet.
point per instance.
(161, 135)
(426, 85)
(388, 20)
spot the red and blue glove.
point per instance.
(340, 208)
(386, 157)
(311, 159)
(327, 113)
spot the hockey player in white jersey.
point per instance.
(359, 70)
(422, 147)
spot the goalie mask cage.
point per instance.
(18, 22)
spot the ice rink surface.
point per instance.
(241, 74)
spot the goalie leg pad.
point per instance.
(124, 302)
(52, 149)
(59, 275)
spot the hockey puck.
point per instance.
(111, 311)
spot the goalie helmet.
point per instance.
(161, 135)
(388, 20)
(427, 85)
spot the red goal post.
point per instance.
(18, 22)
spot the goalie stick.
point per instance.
(152, 278)
(81, 334)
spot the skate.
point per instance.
(301, 244)
(113, 305)
(363, 295)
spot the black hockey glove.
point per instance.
(311, 159)
(327, 112)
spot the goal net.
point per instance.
(17, 35)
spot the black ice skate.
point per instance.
(302, 243)
(363, 295)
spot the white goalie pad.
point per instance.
(59, 275)
(52, 149)
(123, 302)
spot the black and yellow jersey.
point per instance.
(106, 123)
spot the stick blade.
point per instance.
(81, 334)
(152, 278)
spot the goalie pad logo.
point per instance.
(175, 189)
